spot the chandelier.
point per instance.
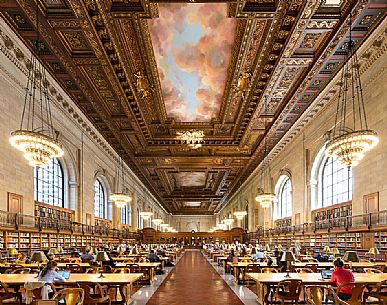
(36, 137)
(350, 138)
(265, 199)
(194, 138)
(228, 221)
(146, 215)
(122, 198)
(240, 214)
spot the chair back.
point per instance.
(93, 292)
(372, 270)
(74, 268)
(357, 290)
(72, 296)
(134, 268)
(304, 270)
(253, 268)
(336, 298)
(312, 267)
(314, 295)
(22, 271)
(289, 289)
(122, 270)
(269, 270)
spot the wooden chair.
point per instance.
(357, 292)
(381, 292)
(269, 270)
(315, 294)
(304, 270)
(372, 270)
(336, 299)
(72, 296)
(312, 267)
(251, 268)
(288, 290)
(94, 293)
(74, 268)
(37, 293)
(6, 295)
(134, 268)
(22, 271)
(121, 270)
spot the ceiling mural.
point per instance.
(192, 179)
(143, 72)
(192, 67)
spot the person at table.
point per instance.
(243, 252)
(341, 276)
(49, 274)
(161, 252)
(259, 255)
(152, 256)
(110, 262)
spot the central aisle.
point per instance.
(194, 281)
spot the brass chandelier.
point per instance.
(350, 138)
(36, 137)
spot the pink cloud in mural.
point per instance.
(192, 45)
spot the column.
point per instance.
(250, 215)
(134, 211)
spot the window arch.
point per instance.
(49, 184)
(139, 219)
(100, 199)
(336, 183)
(284, 191)
(331, 182)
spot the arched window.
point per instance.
(49, 184)
(284, 204)
(126, 214)
(336, 183)
(100, 201)
(139, 219)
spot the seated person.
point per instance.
(152, 256)
(161, 252)
(341, 276)
(258, 255)
(49, 274)
(231, 255)
(87, 257)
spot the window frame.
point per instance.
(283, 208)
(52, 185)
(102, 188)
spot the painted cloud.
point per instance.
(192, 44)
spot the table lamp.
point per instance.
(59, 250)
(335, 251)
(373, 251)
(102, 257)
(327, 249)
(134, 251)
(40, 257)
(53, 251)
(288, 257)
(351, 256)
(13, 252)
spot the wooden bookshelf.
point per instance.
(50, 216)
(283, 222)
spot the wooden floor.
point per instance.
(194, 281)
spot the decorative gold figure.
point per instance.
(142, 84)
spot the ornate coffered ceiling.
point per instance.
(110, 57)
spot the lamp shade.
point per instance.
(327, 249)
(102, 257)
(134, 251)
(38, 256)
(373, 251)
(60, 249)
(13, 252)
(351, 256)
(53, 251)
(288, 256)
(335, 251)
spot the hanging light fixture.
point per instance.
(146, 215)
(37, 138)
(122, 198)
(240, 214)
(350, 138)
(265, 198)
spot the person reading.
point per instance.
(341, 276)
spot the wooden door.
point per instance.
(14, 207)
(371, 206)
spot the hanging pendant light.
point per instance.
(265, 197)
(37, 138)
(122, 198)
(350, 138)
(240, 214)
(146, 215)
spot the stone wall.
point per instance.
(296, 152)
